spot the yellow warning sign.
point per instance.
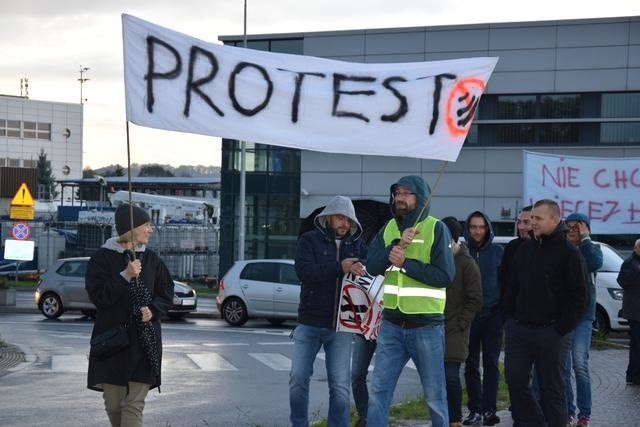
(22, 212)
(23, 197)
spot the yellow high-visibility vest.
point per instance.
(403, 292)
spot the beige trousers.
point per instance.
(125, 410)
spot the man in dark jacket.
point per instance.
(544, 299)
(113, 281)
(486, 329)
(523, 224)
(413, 251)
(323, 256)
(579, 229)
(629, 279)
(464, 301)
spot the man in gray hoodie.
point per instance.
(323, 255)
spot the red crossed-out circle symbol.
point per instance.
(20, 231)
(461, 105)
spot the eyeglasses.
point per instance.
(403, 194)
(574, 228)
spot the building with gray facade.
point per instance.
(28, 127)
(565, 87)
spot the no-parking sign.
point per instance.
(20, 231)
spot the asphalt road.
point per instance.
(213, 374)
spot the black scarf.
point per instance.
(139, 296)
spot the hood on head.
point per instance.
(417, 185)
(466, 233)
(339, 205)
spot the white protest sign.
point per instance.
(361, 305)
(418, 109)
(607, 190)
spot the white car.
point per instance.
(608, 292)
(267, 288)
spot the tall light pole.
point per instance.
(82, 80)
(243, 179)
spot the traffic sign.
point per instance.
(20, 231)
(22, 212)
(23, 197)
(22, 204)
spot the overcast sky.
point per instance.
(47, 41)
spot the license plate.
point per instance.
(188, 302)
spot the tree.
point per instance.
(154, 169)
(46, 179)
(118, 171)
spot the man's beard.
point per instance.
(401, 208)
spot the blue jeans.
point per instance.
(485, 337)
(579, 359)
(363, 350)
(307, 341)
(425, 346)
(454, 391)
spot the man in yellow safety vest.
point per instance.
(413, 251)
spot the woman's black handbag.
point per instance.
(110, 342)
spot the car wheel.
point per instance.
(276, 322)
(601, 325)
(51, 306)
(234, 312)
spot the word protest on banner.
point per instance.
(418, 109)
(604, 189)
(361, 305)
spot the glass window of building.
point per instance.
(559, 133)
(620, 133)
(44, 131)
(622, 105)
(513, 107)
(13, 128)
(29, 130)
(565, 106)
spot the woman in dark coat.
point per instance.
(134, 293)
(464, 301)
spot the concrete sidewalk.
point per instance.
(614, 402)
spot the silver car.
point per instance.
(61, 288)
(266, 288)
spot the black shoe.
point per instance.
(474, 419)
(490, 418)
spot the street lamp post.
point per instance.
(82, 80)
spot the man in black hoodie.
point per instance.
(544, 298)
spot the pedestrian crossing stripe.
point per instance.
(211, 362)
(275, 361)
(204, 361)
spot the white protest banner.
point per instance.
(361, 305)
(419, 109)
(607, 190)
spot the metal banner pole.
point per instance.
(243, 178)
